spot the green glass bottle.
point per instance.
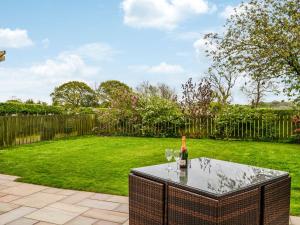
(184, 155)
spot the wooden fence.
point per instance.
(280, 127)
(17, 130)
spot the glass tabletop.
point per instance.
(215, 177)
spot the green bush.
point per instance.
(153, 116)
(243, 122)
(11, 108)
(23, 108)
(159, 117)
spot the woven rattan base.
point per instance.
(158, 203)
(146, 201)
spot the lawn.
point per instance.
(101, 164)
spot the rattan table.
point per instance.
(209, 192)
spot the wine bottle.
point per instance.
(183, 154)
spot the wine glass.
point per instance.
(176, 155)
(169, 156)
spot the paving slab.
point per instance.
(81, 220)
(39, 200)
(9, 198)
(107, 215)
(23, 189)
(52, 215)
(77, 197)
(66, 192)
(122, 208)
(15, 214)
(295, 220)
(9, 183)
(51, 190)
(69, 207)
(119, 199)
(103, 222)
(101, 197)
(8, 177)
(6, 207)
(44, 223)
(3, 187)
(99, 204)
(23, 221)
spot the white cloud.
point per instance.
(162, 14)
(38, 80)
(232, 10)
(64, 65)
(166, 68)
(162, 68)
(97, 51)
(17, 38)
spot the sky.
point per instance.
(50, 42)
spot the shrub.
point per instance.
(23, 108)
(159, 117)
(243, 122)
(152, 116)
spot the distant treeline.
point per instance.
(11, 108)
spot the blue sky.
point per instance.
(53, 41)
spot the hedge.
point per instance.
(28, 109)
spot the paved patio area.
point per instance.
(27, 204)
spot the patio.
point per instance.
(27, 204)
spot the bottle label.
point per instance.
(182, 163)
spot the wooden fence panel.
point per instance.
(17, 130)
(259, 128)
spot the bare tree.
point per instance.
(222, 82)
(160, 90)
(258, 87)
(197, 97)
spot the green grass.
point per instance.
(102, 164)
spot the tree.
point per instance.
(112, 92)
(156, 112)
(74, 94)
(30, 101)
(119, 97)
(160, 90)
(14, 100)
(257, 88)
(222, 82)
(262, 38)
(197, 97)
